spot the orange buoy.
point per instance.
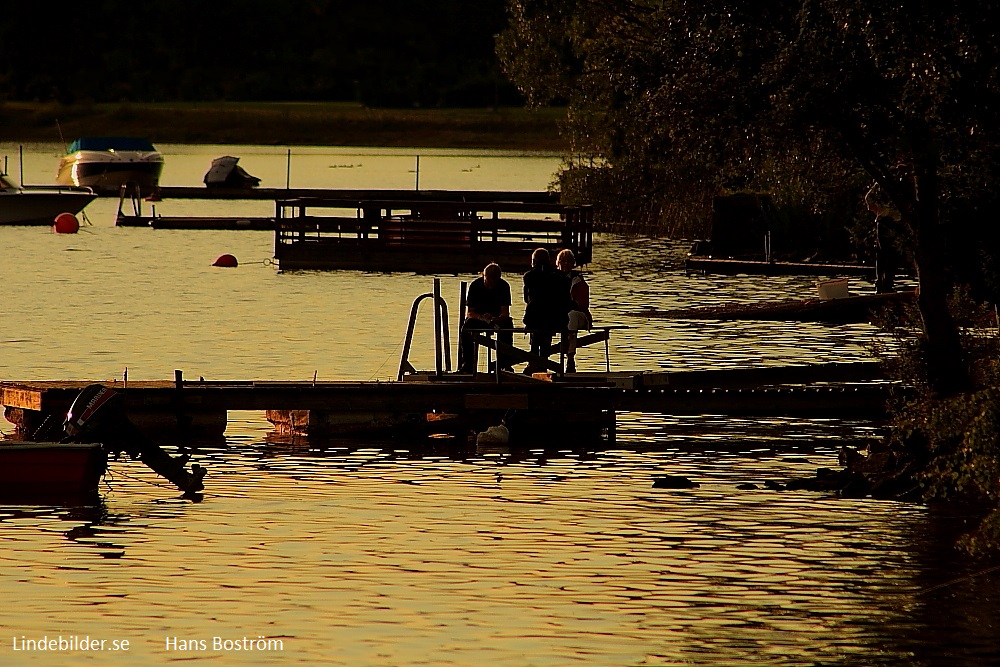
(66, 223)
(226, 261)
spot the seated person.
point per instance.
(488, 307)
(546, 298)
(579, 315)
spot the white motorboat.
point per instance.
(108, 163)
(39, 205)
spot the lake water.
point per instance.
(395, 553)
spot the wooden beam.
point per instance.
(518, 355)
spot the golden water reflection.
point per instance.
(379, 553)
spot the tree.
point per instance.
(674, 101)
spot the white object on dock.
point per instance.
(833, 289)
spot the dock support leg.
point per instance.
(438, 370)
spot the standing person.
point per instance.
(579, 314)
(487, 307)
(546, 298)
(887, 256)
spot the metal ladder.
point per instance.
(442, 343)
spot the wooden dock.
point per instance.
(425, 403)
(343, 199)
(848, 310)
(731, 267)
(273, 194)
(425, 236)
(193, 222)
(390, 230)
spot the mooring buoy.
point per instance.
(225, 261)
(66, 223)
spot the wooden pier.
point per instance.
(731, 267)
(273, 194)
(424, 236)
(847, 310)
(425, 403)
(421, 231)
(360, 202)
(154, 221)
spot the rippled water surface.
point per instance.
(406, 553)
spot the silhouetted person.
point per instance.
(887, 255)
(579, 315)
(487, 308)
(546, 298)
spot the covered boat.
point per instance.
(226, 173)
(39, 205)
(107, 163)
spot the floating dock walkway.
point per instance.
(731, 267)
(425, 236)
(425, 403)
(348, 199)
(422, 403)
(391, 230)
(273, 194)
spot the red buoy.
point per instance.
(226, 261)
(66, 223)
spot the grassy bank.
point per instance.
(286, 123)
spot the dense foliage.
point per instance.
(672, 103)
(816, 102)
(380, 52)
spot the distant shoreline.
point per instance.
(287, 123)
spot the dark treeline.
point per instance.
(392, 53)
(882, 119)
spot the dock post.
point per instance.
(437, 327)
(462, 289)
(445, 334)
(183, 419)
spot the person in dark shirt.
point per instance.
(547, 302)
(487, 307)
(888, 258)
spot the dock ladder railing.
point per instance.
(442, 344)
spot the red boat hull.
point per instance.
(32, 470)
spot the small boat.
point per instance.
(50, 470)
(72, 466)
(39, 205)
(106, 164)
(226, 173)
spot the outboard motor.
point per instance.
(98, 415)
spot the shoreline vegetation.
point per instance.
(287, 123)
